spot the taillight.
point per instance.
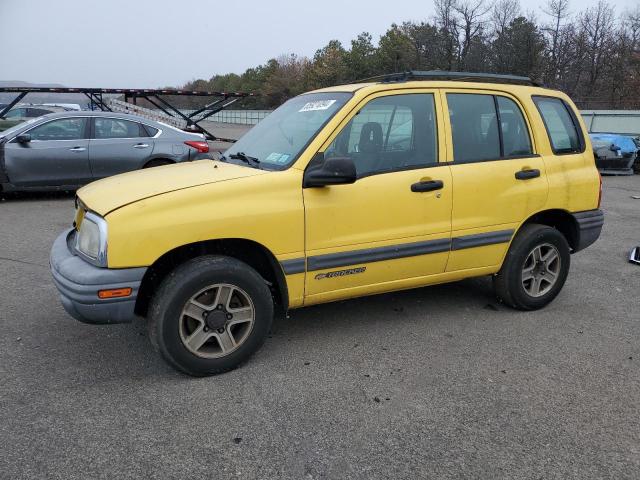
(600, 193)
(200, 146)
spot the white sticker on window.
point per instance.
(319, 105)
(277, 158)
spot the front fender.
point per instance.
(266, 209)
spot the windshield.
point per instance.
(277, 141)
(15, 128)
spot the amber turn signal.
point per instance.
(115, 293)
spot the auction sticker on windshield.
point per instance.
(277, 158)
(319, 105)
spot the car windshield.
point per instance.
(278, 140)
(15, 128)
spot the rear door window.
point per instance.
(487, 127)
(515, 134)
(117, 128)
(561, 125)
(474, 127)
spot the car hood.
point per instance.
(109, 194)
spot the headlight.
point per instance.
(91, 240)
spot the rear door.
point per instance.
(56, 155)
(118, 145)
(498, 178)
(573, 179)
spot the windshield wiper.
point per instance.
(245, 158)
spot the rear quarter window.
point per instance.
(561, 124)
(148, 131)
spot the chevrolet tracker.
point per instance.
(405, 181)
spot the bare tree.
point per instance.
(558, 10)
(503, 13)
(597, 23)
(621, 67)
(472, 18)
(447, 22)
(633, 25)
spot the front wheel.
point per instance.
(210, 315)
(535, 269)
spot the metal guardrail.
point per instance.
(610, 121)
(625, 122)
(242, 117)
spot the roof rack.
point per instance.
(446, 75)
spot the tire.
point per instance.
(189, 308)
(535, 268)
(157, 163)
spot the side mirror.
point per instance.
(24, 138)
(332, 171)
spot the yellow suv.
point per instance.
(409, 180)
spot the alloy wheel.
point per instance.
(216, 321)
(541, 270)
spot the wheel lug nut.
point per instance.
(219, 307)
(206, 329)
(221, 330)
(229, 316)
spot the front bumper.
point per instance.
(79, 282)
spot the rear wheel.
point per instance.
(210, 315)
(535, 269)
(157, 163)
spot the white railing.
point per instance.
(156, 115)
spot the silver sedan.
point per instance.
(62, 151)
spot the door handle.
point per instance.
(427, 186)
(527, 174)
(141, 145)
(77, 149)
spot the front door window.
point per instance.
(388, 134)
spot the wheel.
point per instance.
(210, 315)
(535, 268)
(157, 163)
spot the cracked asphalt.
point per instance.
(439, 382)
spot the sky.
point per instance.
(158, 43)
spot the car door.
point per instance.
(498, 179)
(391, 228)
(57, 154)
(118, 145)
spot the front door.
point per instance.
(393, 224)
(498, 179)
(56, 155)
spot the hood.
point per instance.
(109, 194)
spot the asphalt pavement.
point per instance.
(439, 382)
